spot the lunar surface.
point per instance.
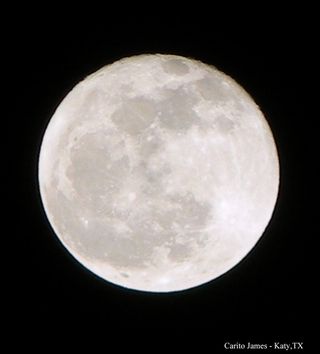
(158, 173)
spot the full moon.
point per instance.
(158, 173)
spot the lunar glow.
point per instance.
(158, 173)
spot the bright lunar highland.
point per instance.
(158, 173)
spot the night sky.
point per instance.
(265, 297)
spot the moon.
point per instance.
(158, 173)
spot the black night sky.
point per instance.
(264, 297)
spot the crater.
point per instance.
(175, 66)
(176, 111)
(183, 214)
(135, 115)
(101, 241)
(149, 145)
(212, 89)
(98, 167)
(179, 252)
(224, 124)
